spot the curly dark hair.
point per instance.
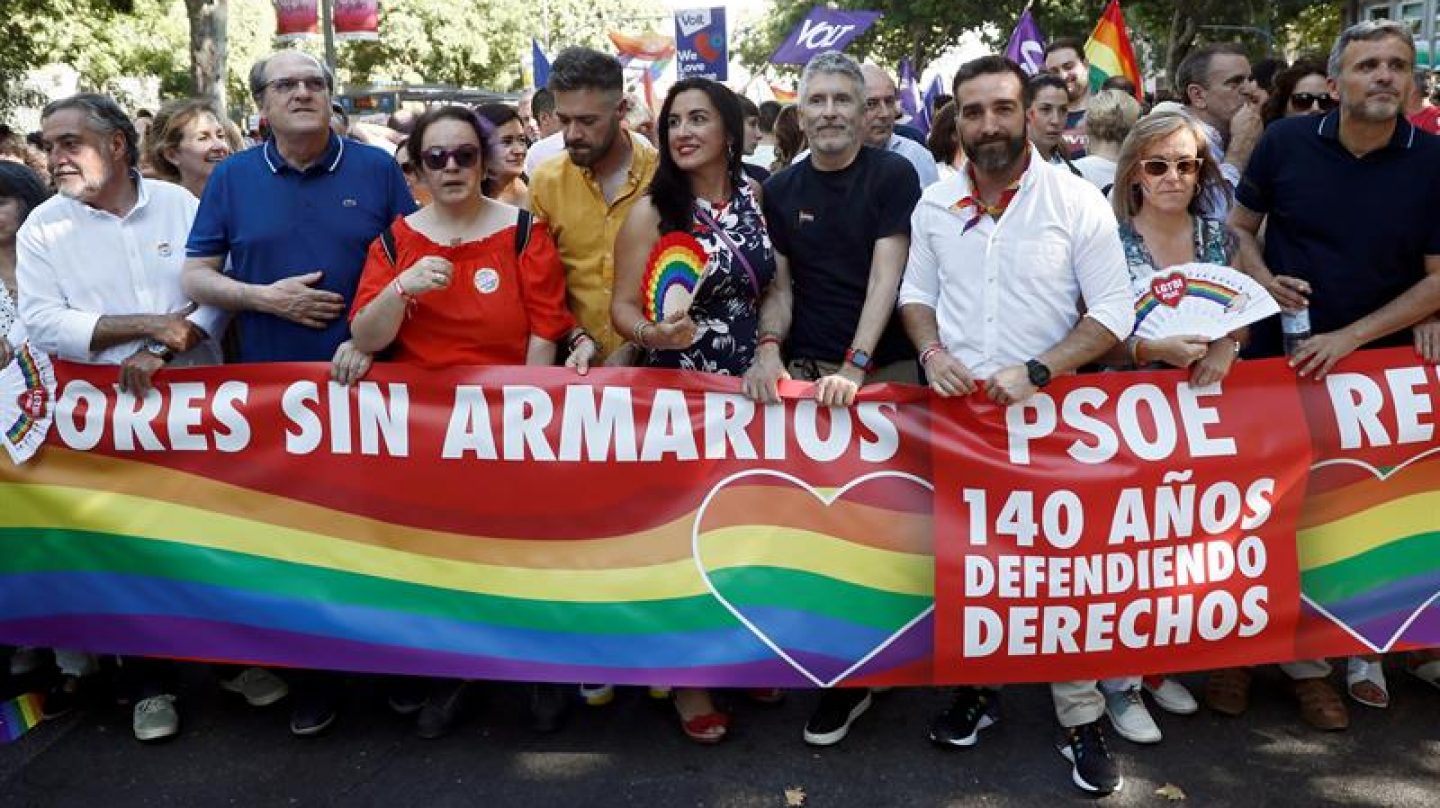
(1285, 82)
(670, 189)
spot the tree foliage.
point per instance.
(1163, 31)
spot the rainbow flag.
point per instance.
(649, 46)
(18, 716)
(783, 95)
(1108, 50)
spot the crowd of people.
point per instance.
(842, 249)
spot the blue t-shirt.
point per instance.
(275, 222)
(1356, 228)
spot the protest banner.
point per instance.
(644, 526)
(357, 20)
(296, 19)
(822, 29)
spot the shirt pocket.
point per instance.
(1043, 262)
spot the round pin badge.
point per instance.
(487, 280)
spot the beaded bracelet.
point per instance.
(930, 350)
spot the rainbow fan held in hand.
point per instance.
(1206, 300)
(672, 275)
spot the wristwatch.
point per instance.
(859, 359)
(1038, 373)
(159, 349)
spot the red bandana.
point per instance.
(978, 206)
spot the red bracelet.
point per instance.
(404, 295)
(930, 350)
(767, 339)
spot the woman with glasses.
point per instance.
(1165, 184)
(1300, 89)
(465, 280)
(506, 181)
(412, 177)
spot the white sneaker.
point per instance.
(1172, 696)
(1130, 718)
(259, 687)
(155, 718)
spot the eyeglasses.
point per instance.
(1159, 167)
(288, 85)
(436, 158)
(1323, 101)
(406, 166)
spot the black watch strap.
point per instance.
(1037, 371)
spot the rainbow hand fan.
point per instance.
(27, 399)
(672, 275)
(1208, 300)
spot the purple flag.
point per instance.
(927, 109)
(822, 29)
(909, 91)
(1027, 45)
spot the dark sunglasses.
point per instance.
(1159, 167)
(1310, 100)
(437, 158)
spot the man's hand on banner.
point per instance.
(1317, 355)
(948, 376)
(1427, 339)
(1010, 386)
(762, 380)
(137, 371)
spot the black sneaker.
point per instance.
(549, 705)
(837, 710)
(444, 707)
(67, 694)
(973, 709)
(1094, 771)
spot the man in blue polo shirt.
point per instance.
(295, 218)
(1353, 236)
(1351, 200)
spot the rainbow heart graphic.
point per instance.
(1369, 548)
(828, 579)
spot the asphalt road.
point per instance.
(632, 753)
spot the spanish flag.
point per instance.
(1109, 53)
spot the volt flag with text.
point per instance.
(822, 29)
(1118, 523)
(701, 49)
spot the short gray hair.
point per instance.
(103, 116)
(1369, 31)
(833, 62)
(257, 73)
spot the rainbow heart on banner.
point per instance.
(1369, 548)
(827, 578)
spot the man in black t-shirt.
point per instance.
(840, 223)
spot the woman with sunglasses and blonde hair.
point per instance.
(1165, 186)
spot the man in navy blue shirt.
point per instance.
(1352, 236)
(295, 218)
(1351, 200)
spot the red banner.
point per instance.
(296, 19)
(357, 19)
(641, 526)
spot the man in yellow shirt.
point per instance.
(586, 193)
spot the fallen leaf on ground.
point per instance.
(1171, 792)
(794, 797)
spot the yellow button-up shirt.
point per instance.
(584, 226)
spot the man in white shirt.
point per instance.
(1216, 87)
(109, 246)
(1001, 258)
